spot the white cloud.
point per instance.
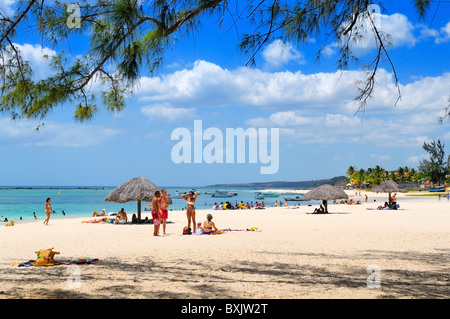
(53, 134)
(165, 112)
(440, 36)
(38, 58)
(279, 53)
(206, 85)
(7, 7)
(444, 34)
(308, 108)
(334, 128)
(446, 136)
(396, 29)
(380, 157)
(290, 118)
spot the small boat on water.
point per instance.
(437, 189)
(270, 195)
(260, 195)
(223, 194)
(294, 199)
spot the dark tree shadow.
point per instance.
(145, 278)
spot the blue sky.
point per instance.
(206, 79)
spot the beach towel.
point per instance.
(229, 230)
(45, 257)
(81, 261)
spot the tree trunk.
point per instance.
(139, 211)
(325, 205)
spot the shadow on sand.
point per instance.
(144, 278)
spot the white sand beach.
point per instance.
(294, 255)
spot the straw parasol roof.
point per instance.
(389, 187)
(136, 189)
(325, 193)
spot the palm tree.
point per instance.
(360, 177)
(379, 175)
(350, 171)
(400, 174)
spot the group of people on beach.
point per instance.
(229, 206)
(209, 228)
(160, 204)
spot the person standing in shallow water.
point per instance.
(48, 210)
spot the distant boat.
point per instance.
(437, 189)
(294, 199)
(270, 195)
(259, 195)
(223, 194)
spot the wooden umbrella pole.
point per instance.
(325, 204)
(139, 211)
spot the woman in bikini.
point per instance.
(191, 197)
(48, 210)
(208, 227)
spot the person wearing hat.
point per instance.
(103, 213)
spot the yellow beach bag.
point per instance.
(45, 257)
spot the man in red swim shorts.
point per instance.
(164, 205)
(156, 215)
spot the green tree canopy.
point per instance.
(128, 38)
(437, 167)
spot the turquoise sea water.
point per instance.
(82, 201)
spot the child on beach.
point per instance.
(199, 229)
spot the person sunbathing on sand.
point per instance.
(97, 214)
(319, 210)
(208, 226)
(95, 221)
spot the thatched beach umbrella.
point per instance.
(136, 189)
(325, 193)
(389, 187)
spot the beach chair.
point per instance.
(45, 257)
